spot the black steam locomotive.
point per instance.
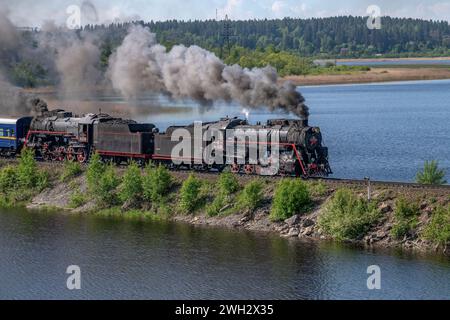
(283, 147)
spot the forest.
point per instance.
(333, 37)
(289, 45)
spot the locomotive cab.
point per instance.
(85, 132)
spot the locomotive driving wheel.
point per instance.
(70, 154)
(61, 154)
(235, 168)
(45, 153)
(54, 154)
(82, 155)
(249, 169)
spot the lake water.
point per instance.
(384, 131)
(156, 260)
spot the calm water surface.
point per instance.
(137, 260)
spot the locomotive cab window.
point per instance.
(83, 130)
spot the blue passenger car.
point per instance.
(12, 134)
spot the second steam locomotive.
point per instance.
(59, 135)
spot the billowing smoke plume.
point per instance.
(76, 57)
(13, 101)
(8, 33)
(140, 64)
(77, 65)
(71, 58)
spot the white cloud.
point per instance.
(278, 7)
(441, 10)
(283, 9)
(33, 13)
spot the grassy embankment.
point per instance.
(290, 207)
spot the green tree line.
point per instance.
(289, 45)
(342, 36)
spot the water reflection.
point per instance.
(149, 260)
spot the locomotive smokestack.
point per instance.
(305, 122)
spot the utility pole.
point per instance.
(227, 33)
(369, 189)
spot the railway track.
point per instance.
(341, 182)
(406, 185)
(336, 181)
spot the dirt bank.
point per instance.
(395, 59)
(304, 226)
(374, 75)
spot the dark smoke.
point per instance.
(13, 101)
(140, 64)
(69, 57)
(76, 58)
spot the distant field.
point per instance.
(378, 74)
(399, 62)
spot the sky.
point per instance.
(33, 13)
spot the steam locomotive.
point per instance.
(59, 135)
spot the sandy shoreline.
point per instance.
(393, 59)
(374, 75)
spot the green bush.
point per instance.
(95, 171)
(228, 183)
(405, 218)
(318, 189)
(438, 229)
(220, 201)
(131, 188)
(27, 171)
(71, 170)
(77, 199)
(156, 183)
(347, 216)
(26, 175)
(42, 180)
(291, 197)
(20, 183)
(252, 196)
(164, 210)
(431, 174)
(8, 179)
(106, 187)
(190, 197)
